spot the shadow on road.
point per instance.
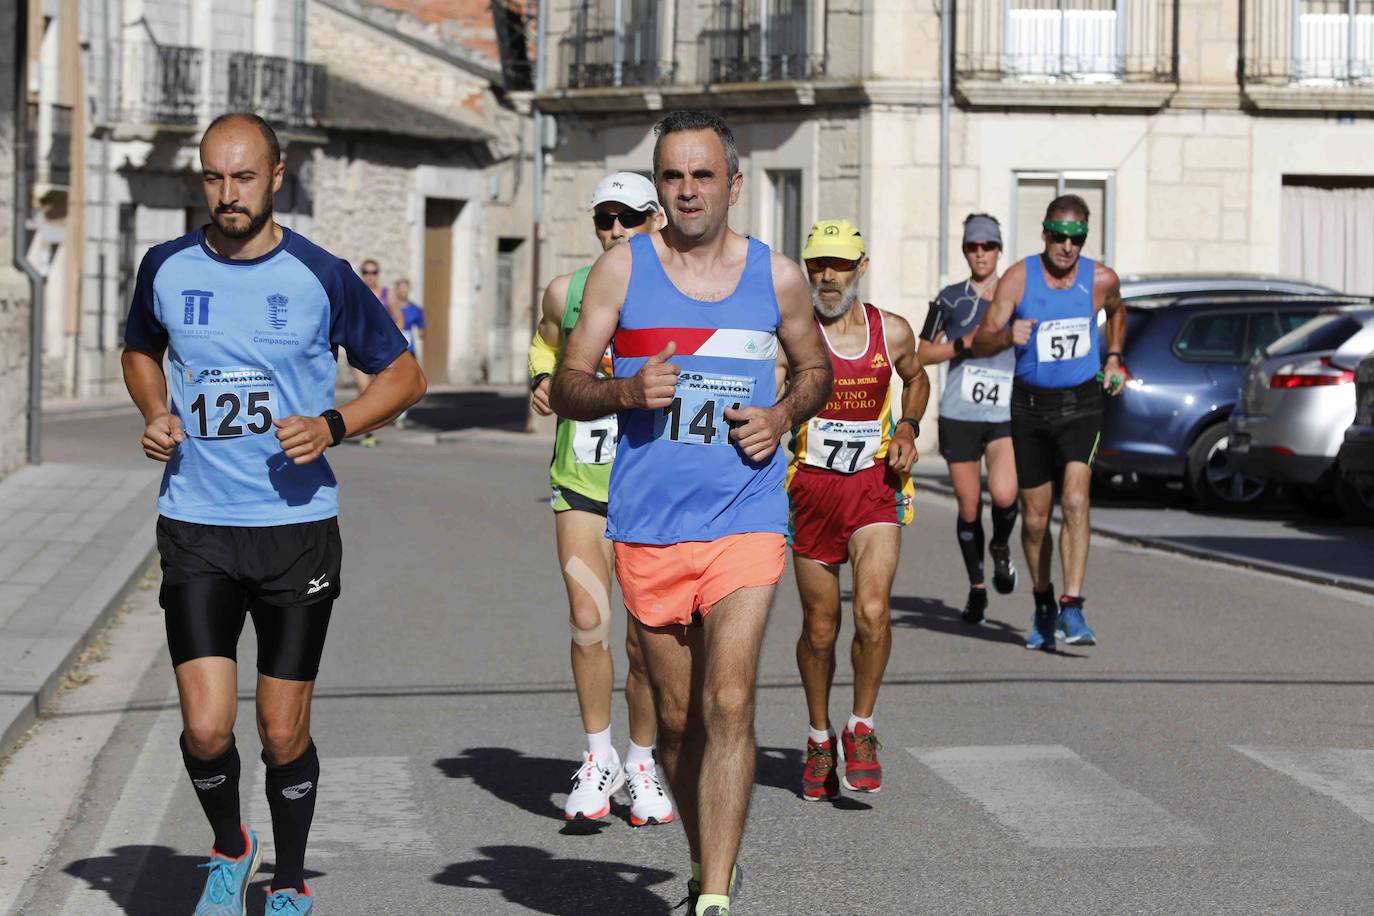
(539, 882)
(513, 777)
(445, 411)
(933, 614)
(781, 768)
(155, 880)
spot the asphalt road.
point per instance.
(1213, 754)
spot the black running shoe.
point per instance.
(1004, 575)
(976, 607)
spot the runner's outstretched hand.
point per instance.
(756, 430)
(656, 381)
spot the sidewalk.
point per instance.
(74, 538)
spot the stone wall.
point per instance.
(14, 287)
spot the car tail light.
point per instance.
(1310, 373)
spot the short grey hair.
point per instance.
(692, 119)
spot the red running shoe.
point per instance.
(862, 771)
(820, 779)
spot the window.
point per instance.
(1050, 38)
(1033, 192)
(1327, 332)
(1218, 337)
(784, 218)
(1267, 327)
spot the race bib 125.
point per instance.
(228, 403)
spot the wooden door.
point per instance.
(440, 215)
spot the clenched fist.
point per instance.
(1021, 331)
(655, 384)
(756, 430)
(162, 436)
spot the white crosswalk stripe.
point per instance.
(365, 803)
(1051, 797)
(1344, 774)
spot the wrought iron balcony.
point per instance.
(1308, 42)
(751, 42)
(162, 84)
(614, 44)
(286, 92)
(1090, 41)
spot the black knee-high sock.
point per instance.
(1003, 523)
(217, 786)
(971, 546)
(291, 797)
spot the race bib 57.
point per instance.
(1063, 339)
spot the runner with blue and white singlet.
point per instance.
(697, 509)
(975, 414)
(1046, 307)
(249, 316)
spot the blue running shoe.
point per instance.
(226, 889)
(1072, 628)
(290, 902)
(1041, 635)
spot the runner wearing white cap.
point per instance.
(624, 204)
(975, 413)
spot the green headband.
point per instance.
(1066, 226)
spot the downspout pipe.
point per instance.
(537, 191)
(37, 284)
(946, 81)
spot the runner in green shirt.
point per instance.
(624, 204)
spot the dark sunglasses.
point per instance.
(1060, 238)
(366, 272)
(817, 265)
(630, 219)
(982, 246)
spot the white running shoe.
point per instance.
(593, 784)
(649, 804)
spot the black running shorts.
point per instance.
(1052, 427)
(285, 576)
(967, 440)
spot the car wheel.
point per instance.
(1212, 480)
(1356, 497)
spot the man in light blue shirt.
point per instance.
(249, 316)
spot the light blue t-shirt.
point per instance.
(250, 342)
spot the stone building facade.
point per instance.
(14, 286)
(1196, 140)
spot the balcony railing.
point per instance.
(614, 44)
(752, 42)
(182, 86)
(1089, 41)
(1309, 42)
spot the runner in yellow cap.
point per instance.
(850, 494)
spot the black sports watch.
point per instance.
(337, 429)
(915, 427)
(960, 348)
(1119, 357)
(534, 382)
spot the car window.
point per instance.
(1267, 327)
(1216, 337)
(1325, 332)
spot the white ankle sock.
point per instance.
(637, 755)
(855, 720)
(820, 737)
(599, 743)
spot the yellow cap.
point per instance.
(834, 238)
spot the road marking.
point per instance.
(365, 803)
(1345, 774)
(1051, 797)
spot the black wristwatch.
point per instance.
(534, 382)
(1119, 357)
(960, 348)
(337, 429)
(915, 427)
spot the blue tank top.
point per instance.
(1063, 349)
(677, 476)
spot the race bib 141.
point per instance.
(697, 414)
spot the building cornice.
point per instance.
(1321, 99)
(780, 94)
(1016, 94)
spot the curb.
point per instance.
(936, 484)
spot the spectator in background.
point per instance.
(410, 318)
(371, 272)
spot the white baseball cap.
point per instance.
(628, 188)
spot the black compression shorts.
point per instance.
(1051, 427)
(285, 576)
(967, 440)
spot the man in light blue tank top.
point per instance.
(1046, 308)
(697, 508)
(249, 317)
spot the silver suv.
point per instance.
(1297, 400)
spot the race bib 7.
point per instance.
(228, 403)
(594, 440)
(697, 414)
(1063, 339)
(847, 446)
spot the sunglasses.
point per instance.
(630, 219)
(367, 273)
(818, 265)
(1060, 238)
(982, 246)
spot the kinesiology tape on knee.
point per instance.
(971, 546)
(578, 571)
(1003, 523)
